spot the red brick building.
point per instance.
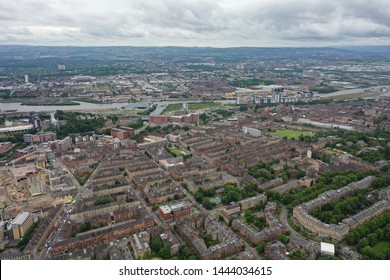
(165, 212)
(122, 132)
(188, 118)
(5, 146)
(158, 119)
(129, 130)
(106, 234)
(63, 145)
(180, 210)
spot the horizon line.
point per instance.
(195, 46)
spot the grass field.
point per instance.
(88, 100)
(290, 133)
(332, 152)
(177, 152)
(352, 96)
(381, 246)
(54, 102)
(191, 106)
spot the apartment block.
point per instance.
(229, 244)
(39, 138)
(101, 235)
(302, 212)
(252, 201)
(21, 224)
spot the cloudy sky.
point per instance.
(217, 23)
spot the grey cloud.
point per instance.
(196, 22)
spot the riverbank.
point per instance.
(84, 106)
(46, 103)
(357, 91)
(88, 100)
(354, 95)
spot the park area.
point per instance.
(291, 133)
(381, 247)
(191, 106)
(176, 151)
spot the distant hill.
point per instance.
(42, 61)
(372, 49)
(21, 52)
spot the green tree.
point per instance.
(165, 253)
(206, 202)
(283, 239)
(297, 255)
(156, 245)
(260, 248)
(147, 256)
(372, 239)
(231, 196)
(363, 243)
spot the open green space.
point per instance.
(352, 96)
(88, 100)
(372, 238)
(84, 178)
(250, 218)
(191, 106)
(291, 133)
(335, 212)
(82, 228)
(59, 102)
(323, 89)
(381, 247)
(332, 152)
(77, 123)
(147, 111)
(224, 113)
(265, 172)
(326, 182)
(104, 200)
(232, 194)
(159, 251)
(208, 240)
(176, 151)
(370, 147)
(155, 130)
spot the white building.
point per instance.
(251, 131)
(327, 249)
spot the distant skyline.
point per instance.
(214, 23)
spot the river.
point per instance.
(82, 106)
(160, 104)
(92, 106)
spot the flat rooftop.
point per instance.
(327, 248)
(166, 209)
(21, 218)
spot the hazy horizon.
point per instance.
(195, 46)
